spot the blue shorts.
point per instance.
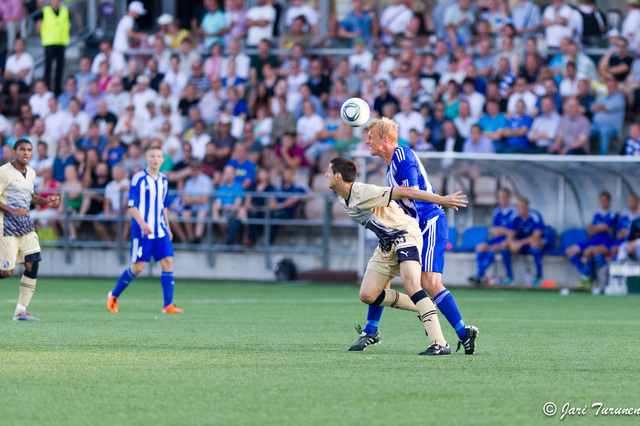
(496, 240)
(143, 248)
(596, 240)
(435, 233)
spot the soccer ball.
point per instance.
(355, 112)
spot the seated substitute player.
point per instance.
(18, 240)
(595, 248)
(398, 251)
(150, 231)
(405, 169)
(486, 252)
(525, 236)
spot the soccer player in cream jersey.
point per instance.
(18, 238)
(150, 232)
(400, 244)
(406, 170)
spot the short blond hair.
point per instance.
(385, 128)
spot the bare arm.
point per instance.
(452, 201)
(13, 212)
(50, 201)
(166, 218)
(135, 214)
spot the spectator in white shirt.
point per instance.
(124, 30)
(77, 116)
(165, 97)
(299, 8)
(395, 20)
(39, 101)
(408, 119)
(117, 63)
(631, 24)
(199, 140)
(545, 127)
(243, 63)
(117, 98)
(211, 102)
(171, 117)
(142, 95)
(556, 19)
(569, 85)
(56, 121)
(259, 21)
(464, 120)
(309, 127)
(297, 77)
(522, 93)
(361, 59)
(162, 55)
(175, 77)
(18, 72)
(476, 100)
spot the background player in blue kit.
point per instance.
(486, 252)
(525, 236)
(150, 232)
(405, 169)
(601, 232)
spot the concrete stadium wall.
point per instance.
(251, 266)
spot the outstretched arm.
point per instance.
(453, 201)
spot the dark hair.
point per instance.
(20, 142)
(345, 167)
(602, 194)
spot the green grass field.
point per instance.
(276, 354)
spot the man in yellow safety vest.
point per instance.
(54, 34)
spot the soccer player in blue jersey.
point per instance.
(525, 236)
(150, 232)
(486, 251)
(594, 249)
(405, 169)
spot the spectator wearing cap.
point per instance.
(515, 133)
(394, 20)
(125, 28)
(478, 143)
(214, 24)
(224, 140)
(574, 131)
(544, 129)
(608, 116)
(163, 22)
(115, 59)
(359, 22)
(142, 94)
(556, 19)
(260, 20)
(631, 24)
(526, 19)
(461, 16)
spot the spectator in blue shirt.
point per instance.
(244, 169)
(478, 143)
(434, 131)
(516, 131)
(94, 139)
(195, 198)
(493, 123)
(633, 143)
(115, 152)
(70, 92)
(229, 204)
(608, 116)
(359, 23)
(214, 24)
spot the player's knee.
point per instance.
(32, 272)
(368, 297)
(167, 264)
(572, 250)
(137, 268)
(482, 247)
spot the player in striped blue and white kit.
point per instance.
(150, 232)
(405, 169)
(486, 251)
(601, 234)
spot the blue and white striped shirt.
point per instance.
(150, 196)
(407, 170)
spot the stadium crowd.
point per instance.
(465, 77)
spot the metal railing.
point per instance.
(211, 243)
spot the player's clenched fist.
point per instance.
(53, 200)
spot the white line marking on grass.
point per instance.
(241, 301)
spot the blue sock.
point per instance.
(575, 261)
(506, 258)
(373, 319)
(537, 259)
(480, 256)
(447, 305)
(600, 260)
(124, 280)
(166, 280)
(487, 261)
